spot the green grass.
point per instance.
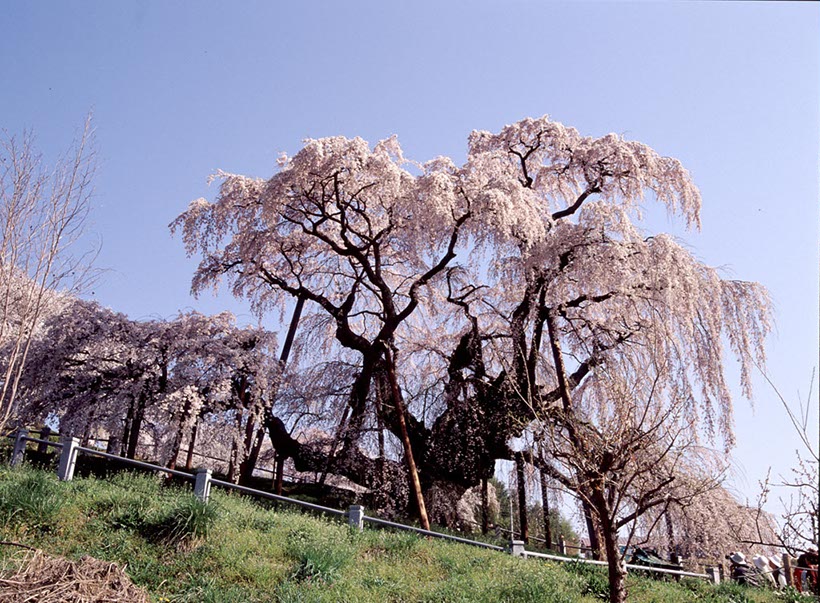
(32, 501)
(233, 550)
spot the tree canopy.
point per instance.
(513, 294)
(511, 307)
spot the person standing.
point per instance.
(740, 571)
(778, 573)
(806, 572)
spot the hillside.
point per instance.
(236, 550)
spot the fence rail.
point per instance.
(46, 432)
(629, 566)
(430, 533)
(286, 499)
(46, 442)
(136, 463)
(355, 514)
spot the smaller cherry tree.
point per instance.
(709, 526)
(85, 371)
(225, 372)
(151, 382)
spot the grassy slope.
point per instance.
(236, 551)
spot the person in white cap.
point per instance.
(763, 568)
(777, 571)
(740, 571)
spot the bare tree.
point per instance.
(43, 213)
(625, 450)
(799, 525)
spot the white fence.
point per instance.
(355, 515)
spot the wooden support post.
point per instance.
(787, 569)
(189, 455)
(279, 474)
(675, 558)
(523, 523)
(545, 510)
(485, 506)
(68, 459)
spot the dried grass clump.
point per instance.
(47, 579)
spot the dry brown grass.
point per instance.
(42, 578)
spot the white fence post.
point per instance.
(714, 575)
(562, 545)
(202, 485)
(517, 548)
(68, 459)
(19, 447)
(355, 517)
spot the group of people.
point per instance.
(770, 570)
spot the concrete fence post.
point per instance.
(517, 548)
(355, 517)
(45, 433)
(68, 459)
(19, 447)
(562, 545)
(202, 485)
(714, 575)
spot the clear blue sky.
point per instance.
(179, 89)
